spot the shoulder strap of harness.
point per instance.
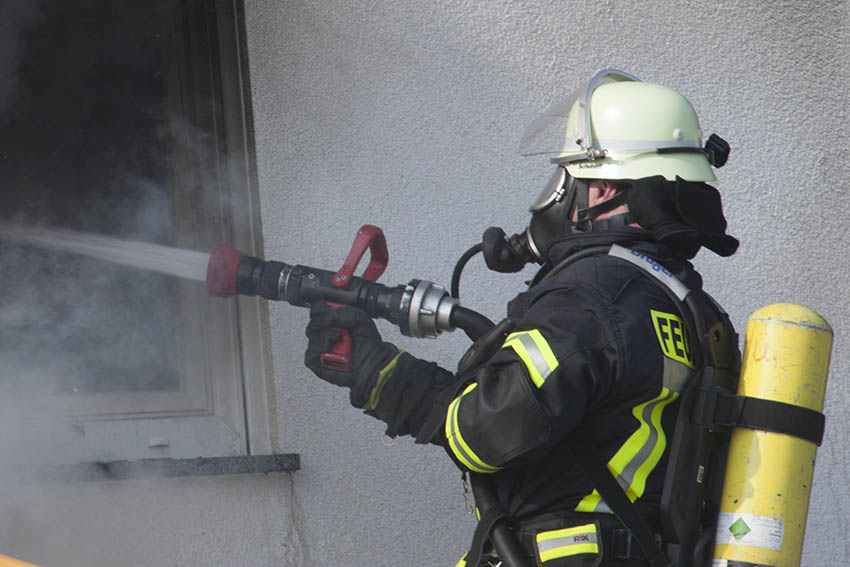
(693, 448)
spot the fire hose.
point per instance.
(419, 309)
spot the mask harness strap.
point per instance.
(581, 202)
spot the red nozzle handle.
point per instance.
(371, 238)
(339, 357)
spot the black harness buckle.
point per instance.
(621, 544)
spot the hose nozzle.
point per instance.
(222, 269)
(420, 308)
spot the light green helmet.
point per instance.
(618, 127)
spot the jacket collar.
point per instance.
(629, 237)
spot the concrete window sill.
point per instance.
(169, 468)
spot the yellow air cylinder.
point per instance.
(768, 478)
(6, 561)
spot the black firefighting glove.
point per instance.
(369, 354)
(389, 384)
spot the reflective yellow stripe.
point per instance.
(462, 562)
(383, 376)
(535, 353)
(457, 443)
(635, 460)
(566, 542)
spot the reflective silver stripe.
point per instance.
(652, 268)
(551, 544)
(567, 542)
(648, 145)
(676, 375)
(628, 474)
(536, 356)
(530, 350)
(632, 478)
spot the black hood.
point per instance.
(682, 214)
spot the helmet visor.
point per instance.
(551, 133)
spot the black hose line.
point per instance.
(506, 543)
(471, 322)
(461, 263)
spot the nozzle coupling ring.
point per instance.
(428, 307)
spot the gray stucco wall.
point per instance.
(408, 115)
(195, 520)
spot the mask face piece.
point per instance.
(561, 185)
(552, 192)
(552, 213)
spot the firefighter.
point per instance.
(598, 353)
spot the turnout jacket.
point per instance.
(599, 356)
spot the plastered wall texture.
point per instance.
(408, 115)
(200, 520)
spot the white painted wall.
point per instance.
(408, 114)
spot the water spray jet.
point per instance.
(177, 262)
(419, 308)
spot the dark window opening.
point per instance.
(84, 145)
(113, 121)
